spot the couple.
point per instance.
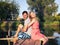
(30, 28)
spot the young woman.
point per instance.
(35, 33)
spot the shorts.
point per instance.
(23, 35)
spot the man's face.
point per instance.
(25, 16)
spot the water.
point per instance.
(58, 41)
(56, 34)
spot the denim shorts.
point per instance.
(23, 35)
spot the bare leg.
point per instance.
(44, 40)
(16, 35)
(18, 30)
(15, 39)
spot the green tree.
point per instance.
(8, 10)
(51, 24)
(43, 7)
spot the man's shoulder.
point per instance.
(27, 19)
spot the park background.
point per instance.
(48, 13)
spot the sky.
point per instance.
(58, 3)
(24, 6)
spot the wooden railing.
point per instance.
(10, 39)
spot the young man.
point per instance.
(25, 34)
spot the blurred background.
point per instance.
(47, 11)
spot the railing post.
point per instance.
(8, 42)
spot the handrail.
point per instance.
(10, 39)
(6, 38)
(52, 37)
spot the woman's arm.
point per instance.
(33, 20)
(28, 25)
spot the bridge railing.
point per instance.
(11, 39)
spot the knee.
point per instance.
(20, 26)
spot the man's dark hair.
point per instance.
(24, 12)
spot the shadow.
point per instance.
(52, 42)
(3, 42)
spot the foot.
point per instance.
(45, 41)
(14, 40)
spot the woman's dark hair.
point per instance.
(24, 12)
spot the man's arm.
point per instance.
(24, 29)
(33, 20)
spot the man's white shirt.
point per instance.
(27, 21)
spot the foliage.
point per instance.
(43, 7)
(7, 10)
(51, 24)
(4, 26)
(14, 25)
(10, 25)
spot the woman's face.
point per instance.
(32, 15)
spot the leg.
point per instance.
(18, 30)
(44, 40)
(16, 35)
(15, 39)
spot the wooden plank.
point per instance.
(6, 38)
(52, 37)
